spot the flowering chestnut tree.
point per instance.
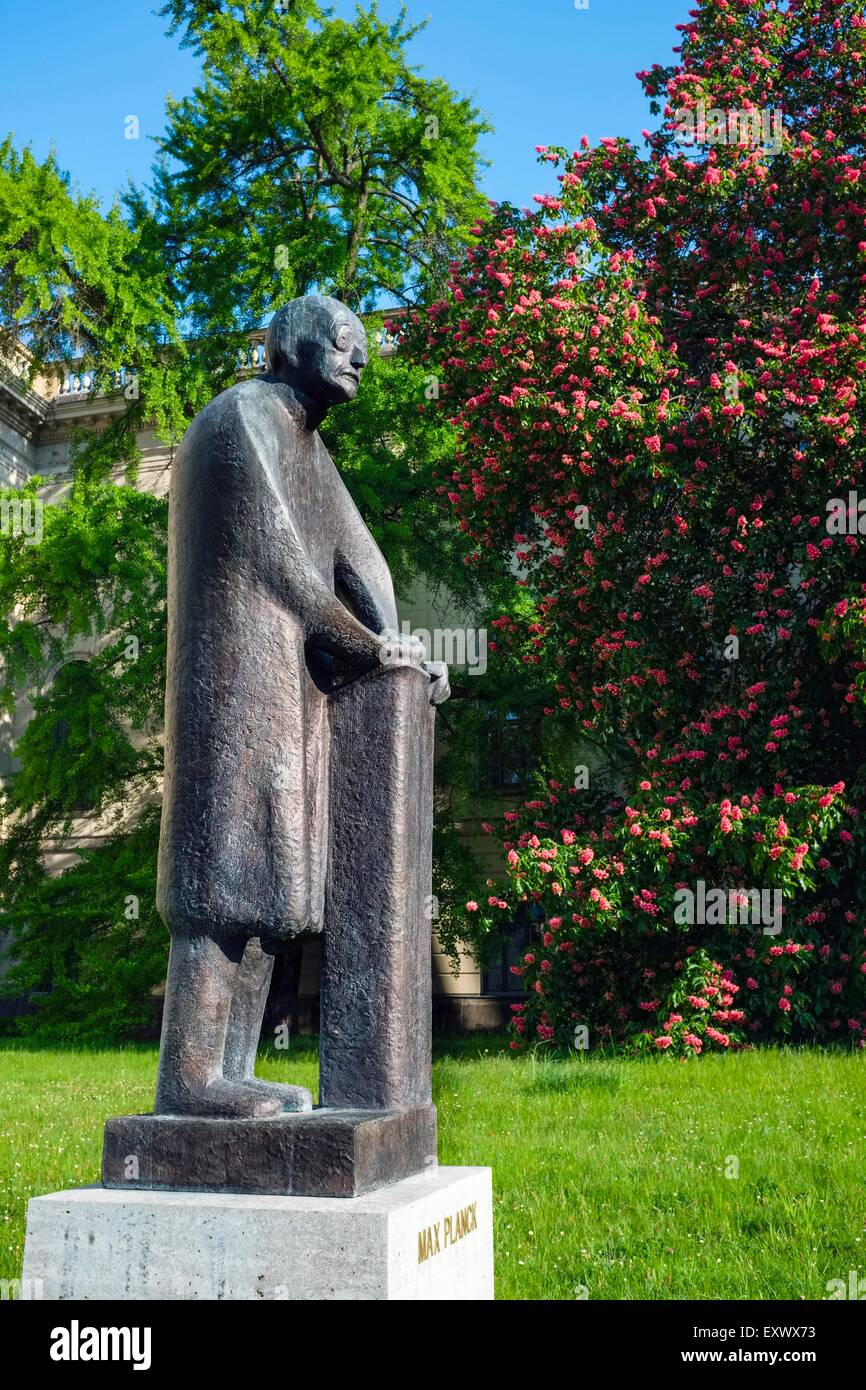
(659, 378)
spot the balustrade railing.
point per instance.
(251, 358)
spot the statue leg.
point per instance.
(201, 979)
(245, 1026)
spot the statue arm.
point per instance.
(360, 567)
(327, 622)
(373, 603)
(365, 578)
(288, 570)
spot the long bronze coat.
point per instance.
(262, 531)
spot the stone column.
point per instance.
(376, 981)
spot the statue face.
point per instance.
(335, 356)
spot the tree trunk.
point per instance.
(356, 239)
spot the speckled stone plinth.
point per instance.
(427, 1238)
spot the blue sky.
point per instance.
(543, 71)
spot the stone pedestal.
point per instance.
(376, 1123)
(320, 1153)
(429, 1237)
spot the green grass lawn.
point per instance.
(609, 1175)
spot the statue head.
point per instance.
(319, 346)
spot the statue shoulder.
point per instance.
(257, 413)
(261, 406)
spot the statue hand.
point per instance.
(401, 649)
(439, 689)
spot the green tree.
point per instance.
(76, 285)
(659, 381)
(311, 155)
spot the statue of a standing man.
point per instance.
(277, 593)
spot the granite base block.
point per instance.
(320, 1153)
(429, 1237)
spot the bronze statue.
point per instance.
(279, 600)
